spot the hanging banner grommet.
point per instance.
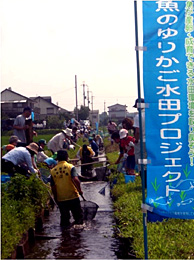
(140, 48)
(144, 161)
(146, 207)
(142, 105)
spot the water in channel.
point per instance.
(94, 240)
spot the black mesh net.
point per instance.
(89, 209)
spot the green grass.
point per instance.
(5, 139)
(171, 239)
(22, 200)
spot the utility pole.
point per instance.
(92, 103)
(104, 115)
(76, 97)
(88, 97)
(84, 97)
(92, 107)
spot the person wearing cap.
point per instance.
(66, 189)
(126, 144)
(50, 162)
(60, 141)
(13, 141)
(41, 156)
(19, 160)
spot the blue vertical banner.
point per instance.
(168, 79)
(97, 127)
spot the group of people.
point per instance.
(64, 179)
(22, 157)
(129, 145)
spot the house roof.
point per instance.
(10, 90)
(32, 99)
(43, 98)
(39, 97)
(118, 105)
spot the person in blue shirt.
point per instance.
(94, 146)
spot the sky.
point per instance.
(45, 43)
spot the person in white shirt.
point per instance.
(60, 141)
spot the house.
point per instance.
(43, 107)
(12, 103)
(117, 112)
(94, 117)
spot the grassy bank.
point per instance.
(170, 239)
(22, 201)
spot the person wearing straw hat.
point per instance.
(60, 141)
(19, 160)
(66, 189)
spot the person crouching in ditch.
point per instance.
(66, 189)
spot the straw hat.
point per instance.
(68, 131)
(33, 147)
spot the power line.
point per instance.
(62, 91)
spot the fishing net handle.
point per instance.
(83, 197)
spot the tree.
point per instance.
(83, 113)
(53, 122)
(104, 119)
(65, 116)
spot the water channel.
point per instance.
(94, 240)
